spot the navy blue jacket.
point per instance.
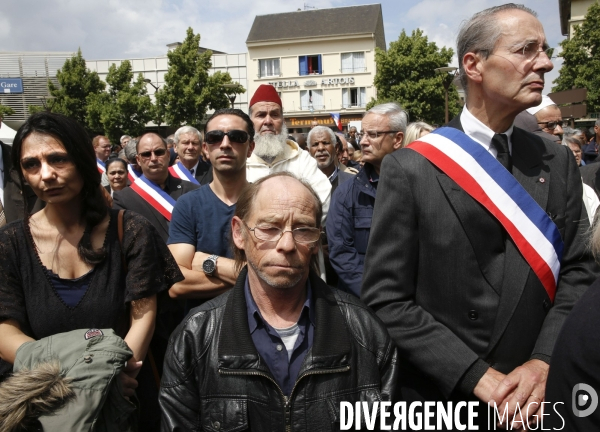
(348, 227)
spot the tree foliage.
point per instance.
(76, 83)
(5, 111)
(581, 56)
(125, 107)
(189, 91)
(406, 74)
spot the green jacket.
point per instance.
(90, 360)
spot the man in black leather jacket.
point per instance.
(281, 350)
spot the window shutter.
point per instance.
(303, 65)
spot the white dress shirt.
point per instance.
(482, 134)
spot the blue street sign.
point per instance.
(11, 85)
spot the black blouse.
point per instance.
(27, 296)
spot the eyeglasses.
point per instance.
(530, 51)
(373, 135)
(157, 153)
(272, 234)
(216, 136)
(551, 124)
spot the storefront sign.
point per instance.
(11, 85)
(334, 81)
(296, 122)
(310, 83)
(284, 84)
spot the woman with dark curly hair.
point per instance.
(65, 267)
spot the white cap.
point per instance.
(546, 102)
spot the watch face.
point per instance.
(208, 266)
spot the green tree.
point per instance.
(189, 91)
(581, 56)
(5, 111)
(124, 108)
(406, 74)
(76, 83)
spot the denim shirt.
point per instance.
(270, 346)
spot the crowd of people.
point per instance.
(242, 277)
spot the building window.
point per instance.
(310, 65)
(353, 62)
(311, 100)
(354, 97)
(268, 68)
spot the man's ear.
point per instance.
(398, 140)
(236, 232)
(472, 65)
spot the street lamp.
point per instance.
(149, 81)
(450, 72)
(230, 95)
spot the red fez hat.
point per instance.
(266, 93)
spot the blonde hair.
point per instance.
(414, 131)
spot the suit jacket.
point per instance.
(15, 196)
(454, 291)
(128, 199)
(591, 176)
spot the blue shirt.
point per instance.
(270, 346)
(201, 219)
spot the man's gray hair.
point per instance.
(123, 137)
(319, 130)
(597, 122)
(480, 33)
(398, 118)
(131, 151)
(187, 130)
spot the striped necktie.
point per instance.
(2, 215)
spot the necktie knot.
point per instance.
(192, 172)
(500, 143)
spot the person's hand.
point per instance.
(524, 387)
(487, 385)
(127, 377)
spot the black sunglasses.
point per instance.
(216, 136)
(157, 153)
(551, 124)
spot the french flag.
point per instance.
(337, 120)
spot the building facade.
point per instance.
(317, 63)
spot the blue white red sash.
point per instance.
(132, 173)
(488, 182)
(155, 196)
(181, 172)
(101, 166)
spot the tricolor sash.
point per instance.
(155, 196)
(101, 166)
(181, 172)
(132, 173)
(485, 179)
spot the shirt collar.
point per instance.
(195, 167)
(255, 317)
(480, 133)
(334, 174)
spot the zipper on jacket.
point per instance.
(287, 408)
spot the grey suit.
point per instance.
(453, 290)
(128, 199)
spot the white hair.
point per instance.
(186, 130)
(269, 146)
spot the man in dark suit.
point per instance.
(188, 145)
(153, 159)
(471, 318)
(12, 197)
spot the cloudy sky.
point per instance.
(120, 29)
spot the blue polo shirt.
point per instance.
(270, 346)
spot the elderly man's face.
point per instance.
(342, 154)
(576, 152)
(374, 149)
(550, 120)
(513, 74)
(188, 148)
(282, 203)
(322, 149)
(267, 118)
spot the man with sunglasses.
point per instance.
(154, 194)
(281, 350)
(548, 117)
(349, 221)
(200, 228)
(477, 253)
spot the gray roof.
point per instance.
(340, 21)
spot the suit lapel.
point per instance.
(528, 169)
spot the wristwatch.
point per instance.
(210, 265)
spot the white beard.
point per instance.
(269, 146)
